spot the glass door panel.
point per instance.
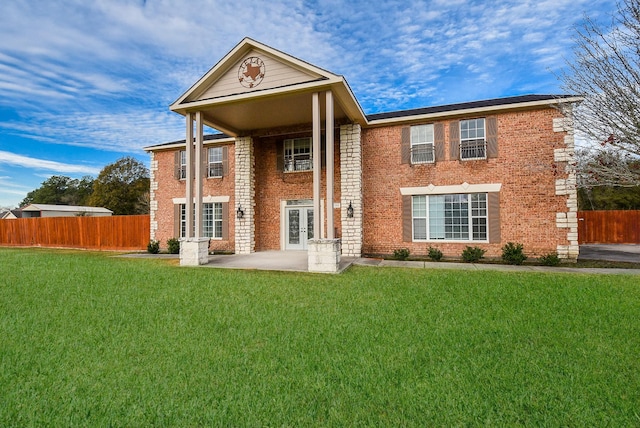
(299, 227)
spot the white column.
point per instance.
(316, 165)
(189, 176)
(199, 174)
(330, 177)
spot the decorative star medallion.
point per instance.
(251, 72)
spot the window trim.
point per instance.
(475, 141)
(425, 143)
(182, 221)
(218, 162)
(470, 218)
(290, 162)
(183, 165)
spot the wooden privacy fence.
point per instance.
(609, 227)
(129, 232)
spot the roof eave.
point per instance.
(182, 144)
(475, 110)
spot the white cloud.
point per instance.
(127, 131)
(42, 164)
(13, 188)
(101, 74)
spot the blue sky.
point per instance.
(84, 83)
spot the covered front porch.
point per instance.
(252, 95)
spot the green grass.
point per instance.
(92, 340)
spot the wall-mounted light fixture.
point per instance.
(350, 210)
(239, 212)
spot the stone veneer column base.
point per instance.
(194, 251)
(324, 255)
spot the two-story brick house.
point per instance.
(299, 164)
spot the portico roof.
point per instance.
(256, 87)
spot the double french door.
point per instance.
(298, 227)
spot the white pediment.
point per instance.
(257, 87)
(256, 71)
(253, 67)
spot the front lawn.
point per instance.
(93, 340)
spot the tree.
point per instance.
(122, 187)
(61, 190)
(609, 198)
(606, 71)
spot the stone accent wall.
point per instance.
(525, 167)
(351, 189)
(245, 195)
(153, 202)
(567, 219)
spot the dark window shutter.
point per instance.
(323, 152)
(407, 219)
(176, 220)
(280, 155)
(454, 140)
(176, 164)
(405, 145)
(492, 137)
(494, 217)
(225, 161)
(438, 141)
(225, 221)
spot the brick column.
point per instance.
(351, 189)
(567, 220)
(245, 195)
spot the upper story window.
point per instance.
(214, 162)
(422, 144)
(473, 143)
(182, 172)
(298, 154)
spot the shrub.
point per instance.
(173, 245)
(472, 254)
(550, 259)
(153, 246)
(401, 254)
(435, 254)
(512, 254)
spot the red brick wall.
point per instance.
(169, 187)
(274, 186)
(525, 167)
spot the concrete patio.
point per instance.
(296, 261)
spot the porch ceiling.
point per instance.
(244, 115)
